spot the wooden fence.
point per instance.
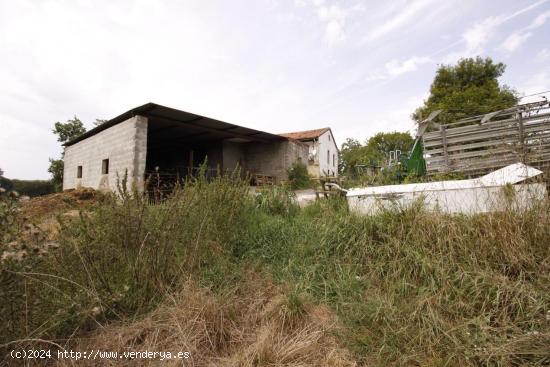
(480, 144)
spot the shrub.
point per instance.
(33, 188)
(298, 176)
(6, 183)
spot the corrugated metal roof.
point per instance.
(155, 112)
(307, 134)
(511, 174)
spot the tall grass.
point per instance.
(416, 287)
(410, 287)
(118, 259)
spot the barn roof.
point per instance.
(208, 127)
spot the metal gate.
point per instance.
(480, 144)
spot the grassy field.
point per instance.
(244, 281)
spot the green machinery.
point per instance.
(414, 163)
(404, 164)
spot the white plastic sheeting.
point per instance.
(492, 192)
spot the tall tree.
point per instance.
(469, 88)
(65, 131)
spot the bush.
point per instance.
(33, 188)
(299, 177)
(6, 183)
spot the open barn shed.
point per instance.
(158, 143)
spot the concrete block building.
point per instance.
(154, 139)
(322, 151)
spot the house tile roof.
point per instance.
(306, 135)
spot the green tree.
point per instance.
(65, 131)
(382, 143)
(374, 152)
(469, 88)
(56, 170)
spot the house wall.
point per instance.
(313, 158)
(275, 158)
(326, 144)
(124, 144)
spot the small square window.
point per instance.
(79, 172)
(105, 166)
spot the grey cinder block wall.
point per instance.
(124, 145)
(274, 159)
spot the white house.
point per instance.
(323, 151)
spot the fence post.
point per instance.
(521, 137)
(444, 141)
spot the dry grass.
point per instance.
(45, 207)
(404, 287)
(255, 324)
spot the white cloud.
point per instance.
(540, 20)
(333, 17)
(543, 55)
(405, 15)
(476, 37)
(514, 41)
(395, 67)
(334, 32)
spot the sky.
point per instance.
(360, 67)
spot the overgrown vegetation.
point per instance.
(33, 188)
(116, 260)
(299, 177)
(401, 288)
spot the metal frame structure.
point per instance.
(480, 144)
